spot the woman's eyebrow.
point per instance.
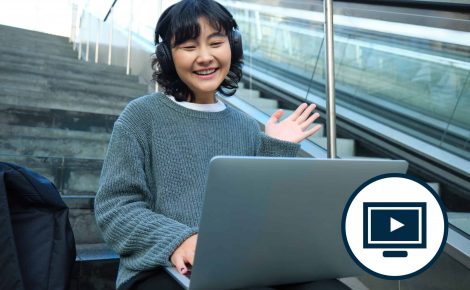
(216, 34)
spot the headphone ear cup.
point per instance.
(165, 60)
(236, 45)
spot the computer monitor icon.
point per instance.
(394, 225)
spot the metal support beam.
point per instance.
(330, 80)
(110, 40)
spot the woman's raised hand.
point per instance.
(184, 254)
(295, 127)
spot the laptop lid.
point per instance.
(272, 221)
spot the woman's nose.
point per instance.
(204, 56)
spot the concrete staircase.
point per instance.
(57, 114)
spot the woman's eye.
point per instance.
(189, 47)
(217, 43)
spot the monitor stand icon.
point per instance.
(394, 226)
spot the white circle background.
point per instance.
(395, 189)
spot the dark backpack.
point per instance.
(36, 239)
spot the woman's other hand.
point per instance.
(184, 254)
(295, 127)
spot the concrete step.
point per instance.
(70, 94)
(47, 46)
(51, 142)
(38, 59)
(77, 177)
(24, 40)
(260, 103)
(52, 118)
(6, 30)
(84, 226)
(95, 268)
(64, 100)
(15, 45)
(63, 51)
(20, 39)
(110, 108)
(58, 69)
(49, 86)
(23, 75)
(246, 93)
(95, 251)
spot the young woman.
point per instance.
(151, 190)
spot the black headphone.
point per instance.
(163, 48)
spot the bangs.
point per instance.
(191, 29)
(185, 26)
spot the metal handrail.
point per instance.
(449, 5)
(76, 36)
(109, 11)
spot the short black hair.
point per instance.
(179, 23)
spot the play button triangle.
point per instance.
(395, 225)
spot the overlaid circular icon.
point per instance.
(394, 226)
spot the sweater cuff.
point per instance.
(277, 148)
(183, 236)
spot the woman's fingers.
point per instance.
(180, 265)
(297, 112)
(312, 131)
(304, 125)
(275, 117)
(306, 113)
(184, 254)
(190, 257)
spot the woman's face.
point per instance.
(203, 63)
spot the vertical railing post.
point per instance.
(97, 45)
(87, 52)
(129, 39)
(73, 26)
(79, 37)
(111, 28)
(330, 80)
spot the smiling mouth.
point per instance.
(206, 72)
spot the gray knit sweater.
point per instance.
(154, 175)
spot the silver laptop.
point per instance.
(273, 221)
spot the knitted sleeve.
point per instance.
(275, 148)
(271, 147)
(142, 238)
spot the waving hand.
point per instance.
(295, 127)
